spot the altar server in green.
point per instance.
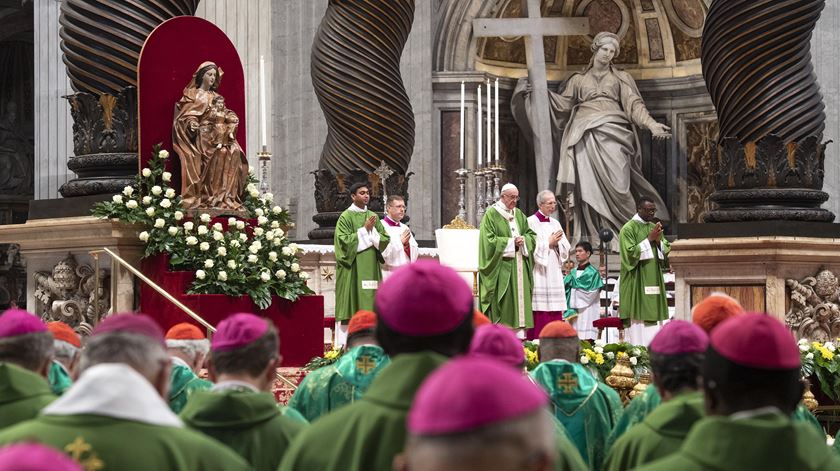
(676, 356)
(587, 408)
(240, 410)
(115, 416)
(360, 239)
(424, 316)
(345, 381)
(26, 349)
(751, 387)
(66, 352)
(506, 262)
(476, 413)
(583, 293)
(187, 347)
(644, 256)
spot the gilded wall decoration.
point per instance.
(700, 141)
(814, 311)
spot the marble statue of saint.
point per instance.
(214, 170)
(596, 146)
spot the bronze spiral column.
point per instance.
(355, 71)
(757, 66)
(101, 41)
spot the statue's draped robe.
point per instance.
(358, 255)
(192, 152)
(333, 386)
(596, 148)
(505, 274)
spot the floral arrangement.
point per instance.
(601, 356)
(249, 256)
(330, 356)
(532, 354)
(822, 360)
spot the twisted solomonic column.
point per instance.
(356, 76)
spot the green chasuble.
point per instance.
(505, 283)
(333, 386)
(365, 435)
(23, 394)
(59, 378)
(644, 404)
(766, 442)
(587, 408)
(590, 280)
(182, 383)
(568, 456)
(642, 288)
(357, 274)
(110, 444)
(659, 435)
(249, 422)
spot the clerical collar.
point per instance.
(357, 209)
(115, 390)
(749, 414)
(502, 209)
(390, 221)
(582, 266)
(240, 386)
(542, 217)
(180, 362)
(638, 218)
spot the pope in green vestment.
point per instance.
(642, 288)
(23, 394)
(660, 434)
(765, 442)
(247, 421)
(344, 382)
(358, 273)
(367, 434)
(505, 271)
(182, 383)
(59, 378)
(587, 408)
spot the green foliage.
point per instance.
(238, 257)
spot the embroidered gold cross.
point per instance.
(365, 364)
(80, 448)
(568, 383)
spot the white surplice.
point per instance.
(549, 292)
(394, 254)
(588, 306)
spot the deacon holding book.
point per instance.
(360, 239)
(643, 259)
(505, 266)
(402, 249)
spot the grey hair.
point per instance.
(191, 348)
(541, 196)
(560, 349)
(532, 435)
(28, 351)
(141, 353)
(65, 350)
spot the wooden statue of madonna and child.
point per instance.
(214, 170)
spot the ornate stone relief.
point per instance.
(70, 294)
(815, 307)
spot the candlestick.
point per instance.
(478, 126)
(480, 203)
(496, 122)
(264, 158)
(264, 137)
(462, 126)
(462, 175)
(489, 119)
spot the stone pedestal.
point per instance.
(45, 242)
(752, 269)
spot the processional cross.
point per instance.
(533, 29)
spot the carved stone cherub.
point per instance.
(815, 306)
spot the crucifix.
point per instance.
(533, 28)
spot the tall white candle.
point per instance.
(489, 119)
(263, 134)
(461, 149)
(496, 121)
(480, 124)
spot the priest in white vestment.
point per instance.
(548, 300)
(403, 248)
